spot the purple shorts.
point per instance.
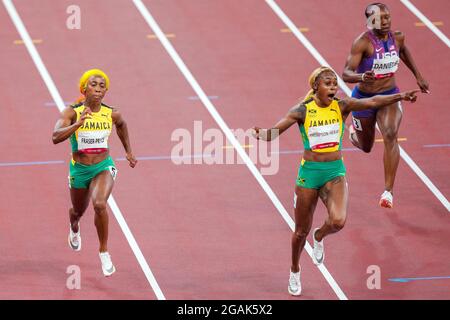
(369, 113)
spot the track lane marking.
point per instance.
(60, 104)
(308, 45)
(19, 42)
(287, 30)
(426, 22)
(168, 35)
(436, 23)
(230, 136)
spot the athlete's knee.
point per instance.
(366, 145)
(337, 223)
(99, 206)
(301, 234)
(390, 135)
(76, 213)
(367, 148)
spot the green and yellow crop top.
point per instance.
(323, 128)
(92, 136)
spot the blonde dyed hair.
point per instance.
(314, 77)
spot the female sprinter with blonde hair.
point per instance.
(92, 171)
(321, 119)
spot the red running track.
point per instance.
(210, 232)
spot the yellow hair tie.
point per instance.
(93, 72)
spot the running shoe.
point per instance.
(107, 265)
(295, 287)
(74, 239)
(387, 200)
(318, 250)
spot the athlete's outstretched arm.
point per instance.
(64, 127)
(407, 58)
(375, 102)
(122, 132)
(353, 60)
(296, 114)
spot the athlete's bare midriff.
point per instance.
(377, 86)
(309, 155)
(89, 158)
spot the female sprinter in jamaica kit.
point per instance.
(92, 171)
(321, 118)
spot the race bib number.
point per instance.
(113, 171)
(385, 64)
(71, 180)
(92, 139)
(357, 124)
(324, 136)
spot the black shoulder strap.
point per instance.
(76, 105)
(307, 101)
(105, 105)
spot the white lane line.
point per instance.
(212, 110)
(426, 22)
(60, 104)
(347, 90)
